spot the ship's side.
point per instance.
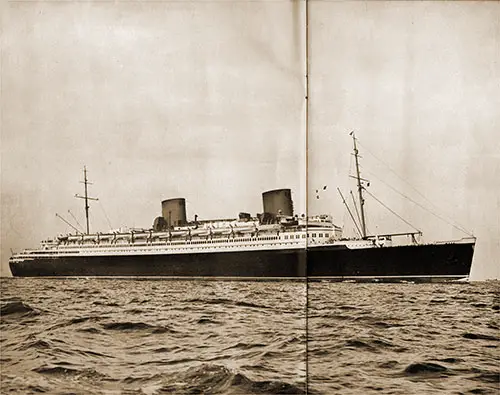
(268, 255)
(412, 262)
(238, 262)
(275, 253)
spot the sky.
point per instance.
(206, 100)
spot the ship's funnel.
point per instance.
(278, 202)
(173, 211)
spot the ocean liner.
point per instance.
(275, 244)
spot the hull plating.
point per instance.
(272, 263)
(435, 262)
(431, 262)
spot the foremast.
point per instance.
(360, 188)
(86, 197)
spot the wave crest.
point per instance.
(227, 302)
(17, 307)
(128, 326)
(219, 379)
(425, 368)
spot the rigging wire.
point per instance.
(346, 209)
(355, 206)
(67, 223)
(105, 215)
(349, 176)
(461, 229)
(350, 213)
(392, 211)
(91, 221)
(78, 223)
(455, 224)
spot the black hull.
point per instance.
(270, 263)
(435, 262)
(429, 262)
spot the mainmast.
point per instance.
(360, 188)
(86, 197)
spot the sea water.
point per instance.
(143, 336)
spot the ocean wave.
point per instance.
(140, 301)
(292, 340)
(128, 326)
(93, 353)
(347, 307)
(109, 304)
(143, 379)
(17, 308)
(479, 336)
(56, 370)
(12, 386)
(35, 344)
(371, 344)
(215, 379)
(438, 301)
(488, 377)
(169, 362)
(135, 311)
(89, 329)
(207, 320)
(244, 346)
(165, 349)
(250, 304)
(88, 291)
(79, 320)
(318, 351)
(354, 343)
(483, 391)
(76, 321)
(425, 369)
(385, 325)
(451, 360)
(227, 302)
(388, 364)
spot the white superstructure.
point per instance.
(205, 237)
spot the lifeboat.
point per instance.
(269, 228)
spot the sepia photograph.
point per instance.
(250, 197)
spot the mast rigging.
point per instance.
(349, 211)
(86, 197)
(67, 223)
(360, 188)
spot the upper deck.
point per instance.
(215, 236)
